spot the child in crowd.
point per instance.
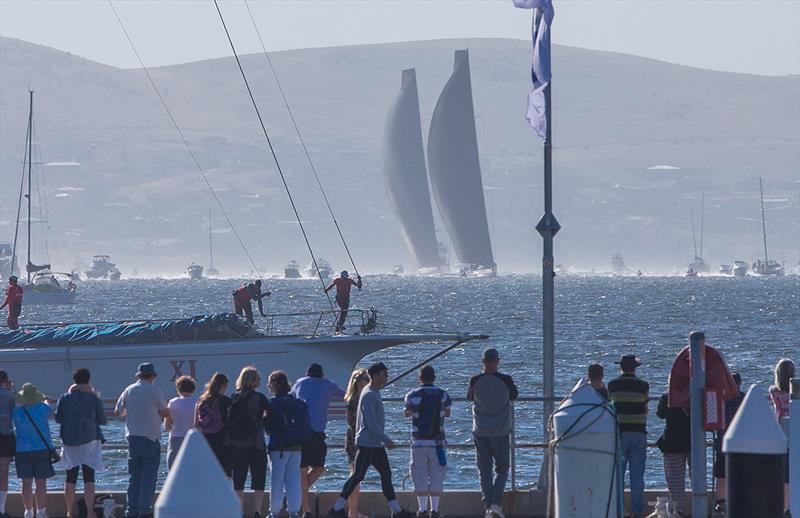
(181, 415)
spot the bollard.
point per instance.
(697, 385)
(755, 451)
(794, 448)
(196, 485)
(584, 456)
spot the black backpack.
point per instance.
(240, 425)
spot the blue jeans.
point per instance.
(633, 447)
(493, 453)
(144, 456)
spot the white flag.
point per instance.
(540, 68)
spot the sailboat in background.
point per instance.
(766, 266)
(406, 176)
(211, 271)
(455, 172)
(698, 265)
(43, 286)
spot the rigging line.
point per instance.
(272, 150)
(299, 136)
(186, 143)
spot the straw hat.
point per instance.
(29, 395)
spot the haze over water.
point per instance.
(753, 321)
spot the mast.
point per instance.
(210, 244)
(28, 195)
(702, 221)
(694, 239)
(763, 219)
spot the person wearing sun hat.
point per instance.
(32, 458)
(144, 406)
(630, 395)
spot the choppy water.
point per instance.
(754, 321)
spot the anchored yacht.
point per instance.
(194, 271)
(325, 269)
(292, 270)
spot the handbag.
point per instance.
(54, 455)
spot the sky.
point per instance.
(745, 36)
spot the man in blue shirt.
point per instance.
(317, 391)
(427, 406)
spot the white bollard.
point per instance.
(584, 457)
(196, 485)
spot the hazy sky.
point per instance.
(761, 37)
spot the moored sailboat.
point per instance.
(766, 266)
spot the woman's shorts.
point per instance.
(8, 444)
(34, 464)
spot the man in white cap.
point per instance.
(143, 406)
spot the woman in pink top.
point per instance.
(779, 394)
(181, 415)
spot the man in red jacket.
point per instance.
(13, 301)
(242, 297)
(343, 285)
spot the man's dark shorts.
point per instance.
(8, 445)
(314, 451)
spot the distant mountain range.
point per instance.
(636, 143)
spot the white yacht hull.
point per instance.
(33, 296)
(113, 366)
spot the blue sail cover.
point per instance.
(220, 326)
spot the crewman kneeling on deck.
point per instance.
(13, 301)
(243, 296)
(343, 285)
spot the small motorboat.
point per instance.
(325, 269)
(103, 268)
(195, 271)
(740, 268)
(292, 270)
(725, 269)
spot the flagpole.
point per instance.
(548, 227)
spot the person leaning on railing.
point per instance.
(491, 393)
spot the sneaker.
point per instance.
(423, 514)
(496, 511)
(433, 514)
(404, 514)
(333, 514)
(28, 513)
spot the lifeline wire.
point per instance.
(272, 150)
(299, 136)
(185, 142)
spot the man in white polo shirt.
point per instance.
(143, 406)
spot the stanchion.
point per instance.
(794, 448)
(755, 452)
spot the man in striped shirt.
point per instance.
(630, 395)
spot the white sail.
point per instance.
(455, 170)
(405, 174)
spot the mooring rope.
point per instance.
(185, 142)
(272, 150)
(299, 136)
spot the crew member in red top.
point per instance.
(13, 301)
(243, 296)
(343, 285)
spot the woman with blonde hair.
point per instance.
(779, 394)
(358, 380)
(245, 436)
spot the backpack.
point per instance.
(209, 416)
(294, 423)
(240, 425)
(429, 422)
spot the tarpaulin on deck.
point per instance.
(220, 326)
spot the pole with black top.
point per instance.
(794, 447)
(755, 453)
